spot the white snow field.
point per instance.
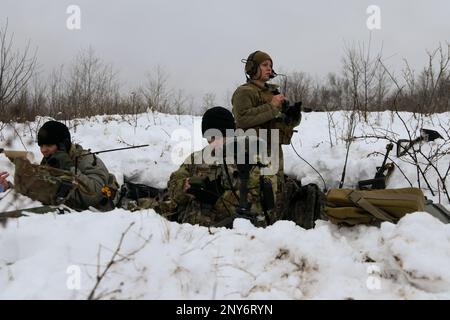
(60, 256)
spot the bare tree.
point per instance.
(156, 92)
(298, 86)
(38, 98)
(433, 81)
(56, 94)
(335, 92)
(381, 88)
(352, 73)
(91, 85)
(369, 83)
(429, 91)
(180, 101)
(16, 68)
(209, 101)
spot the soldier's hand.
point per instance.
(277, 100)
(60, 160)
(3, 182)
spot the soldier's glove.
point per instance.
(205, 190)
(63, 191)
(59, 160)
(293, 113)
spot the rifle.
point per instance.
(403, 145)
(103, 151)
(62, 209)
(14, 154)
(379, 182)
(243, 209)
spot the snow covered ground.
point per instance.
(60, 256)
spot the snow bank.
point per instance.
(60, 256)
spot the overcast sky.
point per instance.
(200, 43)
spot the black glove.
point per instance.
(205, 190)
(293, 113)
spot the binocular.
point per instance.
(292, 113)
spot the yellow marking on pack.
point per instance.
(107, 191)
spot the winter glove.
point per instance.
(204, 190)
(293, 113)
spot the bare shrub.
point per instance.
(16, 69)
(91, 86)
(156, 92)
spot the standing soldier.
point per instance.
(259, 105)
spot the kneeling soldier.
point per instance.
(206, 193)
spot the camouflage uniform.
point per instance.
(91, 172)
(192, 211)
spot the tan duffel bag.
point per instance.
(351, 207)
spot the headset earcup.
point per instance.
(252, 68)
(252, 65)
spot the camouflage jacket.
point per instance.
(191, 210)
(92, 173)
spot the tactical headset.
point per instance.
(252, 68)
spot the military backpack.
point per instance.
(351, 207)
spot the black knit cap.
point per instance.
(217, 118)
(54, 132)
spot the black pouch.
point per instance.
(134, 191)
(304, 204)
(267, 198)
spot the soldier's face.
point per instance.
(265, 70)
(48, 149)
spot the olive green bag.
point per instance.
(351, 207)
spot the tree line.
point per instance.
(89, 86)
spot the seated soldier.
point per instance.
(205, 193)
(98, 185)
(196, 187)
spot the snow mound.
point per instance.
(60, 257)
(143, 256)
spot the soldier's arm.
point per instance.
(248, 115)
(94, 176)
(176, 184)
(60, 160)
